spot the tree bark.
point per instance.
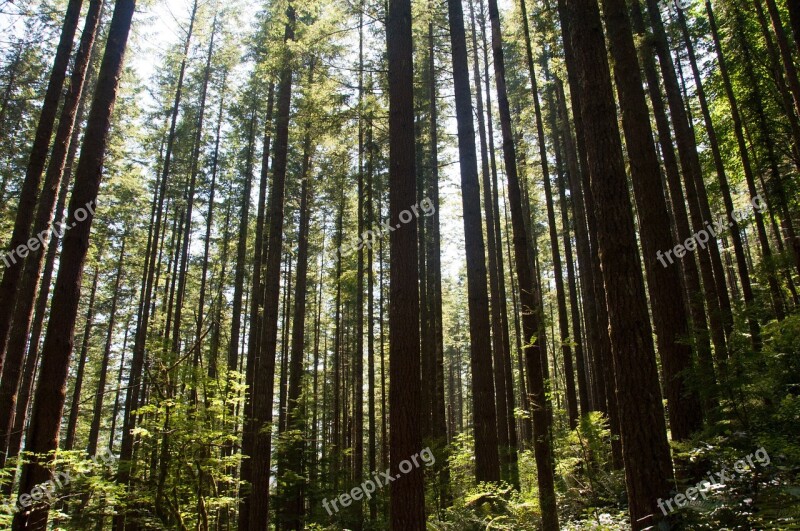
(26, 207)
(407, 498)
(645, 448)
(49, 399)
(530, 307)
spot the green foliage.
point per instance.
(490, 506)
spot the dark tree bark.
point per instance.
(641, 415)
(563, 320)
(292, 510)
(26, 207)
(407, 498)
(257, 502)
(487, 425)
(49, 399)
(668, 302)
(691, 275)
(25, 297)
(693, 181)
(530, 305)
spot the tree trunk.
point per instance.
(641, 415)
(693, 181)
(530, 307)
(74, 410)
(294, 487)
(664, 283)
(94, 429)
(257, 503)
(487, 425)
(407, 497)
(49, 399)
(26, 207)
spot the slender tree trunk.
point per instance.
(530, 306)
(294, 487)
(74, 410)
(693, 181)
(94, 429)
(257, 503)
(735, 231)
(134, 393)
(487, 425)
(576, 338)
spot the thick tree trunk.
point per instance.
(26, 298)
(26, 207)
(407, 497)
(645, 449)
(668, 302)
(49, 399)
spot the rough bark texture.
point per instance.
(407, 502)
(49, 399)
(641, 414)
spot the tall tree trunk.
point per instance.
(668, 302)
(487, 425)
(32, 358)
(49, 399)
(576, 338)
(563, 320)
(407, 509)
(691, 275)
(94, 429)
(641, 414)
(25, 297)
(530, 306)
(735, 231)
(257, 503)
(693, 181)
(294, 486)
(74, 410)
(134, 393)
(435, 380)
(26, 207)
